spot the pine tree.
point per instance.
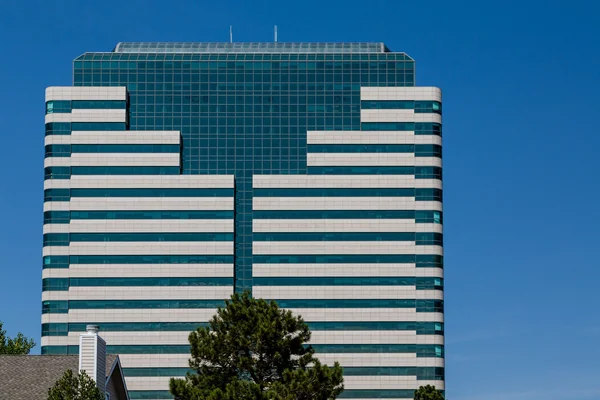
(251, 350)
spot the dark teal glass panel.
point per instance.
(167, 371)
(59, 306)
(99, 104)
(428, 150)
(418, 172)
(56, 262)
(420, 216)
(194, 214)
(421, 260)
(420, 106)
(150, 395)
(56, 195)
(387, 126)
(429, 194)
(60, 350)
(429, 261)
(55, 307)
(152, 192)
(57, 172)
(428, 172)
(187, 281)
(387, 104)
(428, 128)
(65, 106)
(151, 237)
(422, 373)
(56, 239)
(57, 150)
(420, 305)
(424, 107)
(98, 126)
(60, 284)
(422, 350)
(419, 194)
(148, 349)
(420, 128)
(153, 259)
(55, 329)
(422, 328)
(421, 283)
(420, 150)
(56, 217)
(58, 128)
(58, 106)
(426, 216)
(65, 128)
(143, 304)
(125, 170)
(125, 148)
(419, 237)
(377, 170)
(361, 148)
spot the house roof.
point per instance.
(29, 377)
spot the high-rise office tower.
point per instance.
(307, 173)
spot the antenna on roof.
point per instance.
(230, 34)
(275, 33)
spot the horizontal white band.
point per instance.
(158, 181)
(317, 337)
(151, 203)
(132, 315)
(344, 292)
(125, 159)
(342, 225)
(346, 360)
(149, 248)
(86, 93)
(350, 382)
(401, 93)
(100, 115)
(308, 270)
(140, 293)
(370, 159)
(343, 181)
(149, 225)
(350, 247)
(140, 270)
(204, 314)
(370, 137)
(377, 115)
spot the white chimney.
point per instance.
(92, 356)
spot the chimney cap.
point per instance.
(92, 329)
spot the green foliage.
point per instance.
(75, 387)
(428, 393)
(253, 350)
(18, 345)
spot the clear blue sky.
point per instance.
(521, 83)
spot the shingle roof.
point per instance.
(29, 377)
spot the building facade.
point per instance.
(307, 173)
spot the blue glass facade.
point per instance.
(246, 113)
